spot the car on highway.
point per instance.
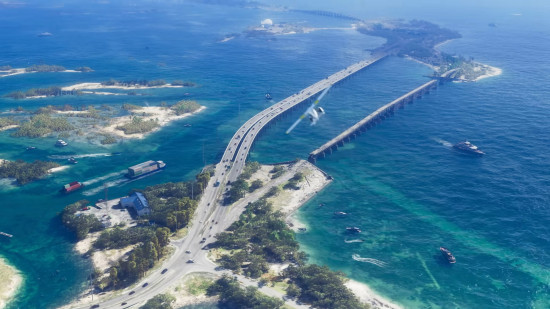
(132, 292)
(123, 304)
(145, 284)
(187, 251)
(164, 271)
(190, 261)
(95, 306)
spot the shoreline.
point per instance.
(18, 71)
(11, 280)
(88, 86)
(162, 115)
(490, 71)
(315, 181)
(287, 201)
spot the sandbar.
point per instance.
(11, 281)
(17, 71)
(88, 86)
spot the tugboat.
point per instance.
(468, 148)
(70, 187)
(268, 96)
(60, 143)
(72, 160)
(353, 229)
(447, 255)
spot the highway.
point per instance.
(211, 217)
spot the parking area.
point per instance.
(110, 213)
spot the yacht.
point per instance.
(468, 148)
(447, 255)
(60, 143)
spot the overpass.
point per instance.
(377, 116)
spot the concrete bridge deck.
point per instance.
(375, 117)
(235, 154)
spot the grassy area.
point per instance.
(197, 284)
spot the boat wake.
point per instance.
(442, 142)
(353, 240)
(376, 262)
(107, 184)
(90, 155)
(98, 179)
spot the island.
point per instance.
(97, 125)
(7, 70)
(418, 40)
(85, 88)
(24, 172)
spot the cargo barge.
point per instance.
(70, 187)
(145, 168)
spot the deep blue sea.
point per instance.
(405, 187)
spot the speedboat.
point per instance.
(468, 148)
(340, 213)
(60, 143)
(268, 96)
(72, 160)
(447, 255)
(353, 229)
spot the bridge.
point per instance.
(377, 116)
(210, 217)
(234, 156)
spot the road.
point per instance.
(211, 217)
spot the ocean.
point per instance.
(403, 185)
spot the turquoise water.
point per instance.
(407, 191)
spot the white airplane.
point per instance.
(313, 112)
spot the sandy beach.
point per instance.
(11, 281)
(161, 114)
(490, 71)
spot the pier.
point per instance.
(377, 116)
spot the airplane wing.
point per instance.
(308, 110)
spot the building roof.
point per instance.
(137, 201)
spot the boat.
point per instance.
(72, 160)
(31, 148)
(468, 148)
(42, 34)
(145, 168)
(187, 125)
(353, 229)
(70, 187)
(6, 234)
(268, 96)
(340, 213)
(447, 255)
(61, 143)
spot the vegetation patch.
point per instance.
(232, 296)
(138, 125)
(7, 121)
(198, 285)
(185, 106)
(44, 68)
(41, 125)
(160, 301)
(80, 224)
(25, 172)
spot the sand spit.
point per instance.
(11, 280)
(88, 86)
(17, 71)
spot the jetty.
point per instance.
(378, 115)
(6, 234)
